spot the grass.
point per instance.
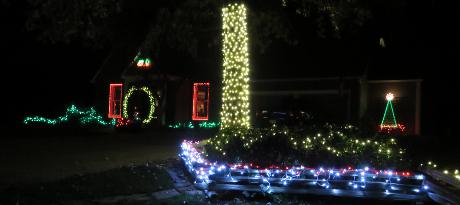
(127, 180)
(182, 199)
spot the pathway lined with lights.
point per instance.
(365, 182)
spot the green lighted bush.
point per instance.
(328, 145)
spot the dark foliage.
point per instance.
(186, 24)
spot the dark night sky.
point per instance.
(422, 39)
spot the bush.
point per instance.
(328, 145)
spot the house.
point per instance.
(139, 88)
(355, 99)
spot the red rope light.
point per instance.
(195, 115)
(113, 102)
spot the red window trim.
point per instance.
(195, 93)
(113, 87)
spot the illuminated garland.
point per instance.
(208, 124)
(85, 117)
(179, 125)
(152, 103)
(190, 125)
(235, 97)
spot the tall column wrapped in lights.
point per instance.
(235, 97)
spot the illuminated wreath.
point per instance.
(151, 101)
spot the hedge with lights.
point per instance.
(322, 146)
(453, 173)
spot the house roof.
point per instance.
(115, 63)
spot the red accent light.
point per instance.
(392, 128)
(115, 100)
(203, 101)
(122, 122)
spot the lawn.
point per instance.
(38, 156)
(141, 179)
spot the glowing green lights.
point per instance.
(206, 124)
(389, 118)
(152, 102)
(190, 125)
(179, 125)
(85, 117)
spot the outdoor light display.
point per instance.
(453, 173)
(115, 99)
(388, 123)
(179, 125)
(152, 103)
(190, 125)
(122, 122)
(200, 107)
(85, 117)
(143, 63)
(235, 97)
(208, 124)
(300, 178)
(339, 143)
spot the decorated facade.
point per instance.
(137, 88)
(140, 92)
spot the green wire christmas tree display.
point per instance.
(389, 118)
(388, 122)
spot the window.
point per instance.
(200, 101)
(115, 100)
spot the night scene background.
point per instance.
(54, 52)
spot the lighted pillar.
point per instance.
(235, 86)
